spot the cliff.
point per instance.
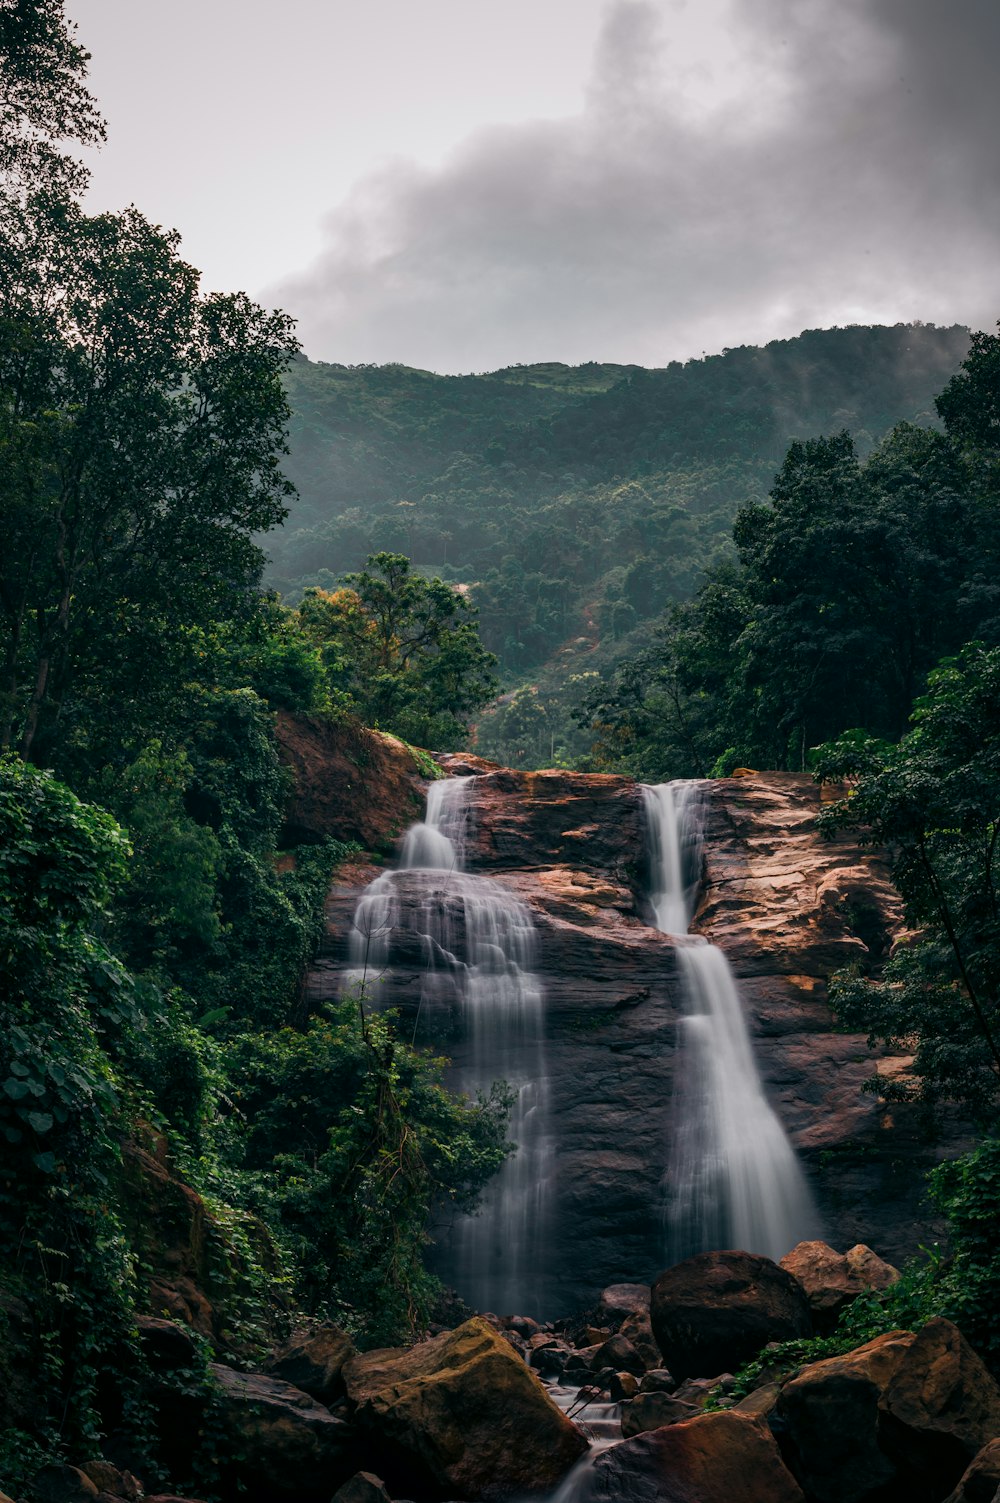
(787, 907)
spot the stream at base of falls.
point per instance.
(733, 1179)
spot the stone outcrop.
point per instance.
(283, 1444)
(714, 1458)
(787, 907)
(347, 781)
(314, 1360)
(461, 1415)
(832, 1280)
(980, 1482)
(717, 1310)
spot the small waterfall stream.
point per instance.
(733, 1179)
(478, 988)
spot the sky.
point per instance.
(466, 184)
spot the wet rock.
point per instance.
(980, 1482)
(638, 1330)
(363, 1487)
(619, 1353)
(313, 1361)
(462, 1414)
(714, 1458)
(761, 1403)
(658, 1380)
(619, 1301)
(832, 1411)
(650, 1411)
(284, 1442)
(623, 1386)
(715, 1311)
(832, 1280)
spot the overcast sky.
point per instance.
(463, 184)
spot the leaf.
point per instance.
(46, 1162)
(40, 1121)
(15, 1089)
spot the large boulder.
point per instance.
(832, 1415)
(313, 1361)
(832, 1280)
(942, 1405)
(716, 1458)
(281, 1443)
(980, 1482)
(715, 1311)
(461, 1414)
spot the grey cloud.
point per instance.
(844, 169)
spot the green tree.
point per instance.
(402, 651)
(934, 802)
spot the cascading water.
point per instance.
(733, 1180)
(478, 991)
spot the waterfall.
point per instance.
(733, 1179)
(479, 997)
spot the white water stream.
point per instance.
(478, 984)
(733, 1179)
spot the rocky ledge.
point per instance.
(788, 908)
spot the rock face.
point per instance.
(314, 1361)
(786, 906)
(286, 1444)
(715, 1311)
(347, 781)
(461, 1415)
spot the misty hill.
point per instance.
(576, 501)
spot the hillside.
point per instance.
(576, 501)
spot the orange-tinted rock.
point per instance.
(715, 1311)
(832, 1410)
(980, 1482)
(167, 1223)
(463, 1415)
(715, 1458)
(832, 1280)
(348, 782)
(941, 1398)
(788, 907)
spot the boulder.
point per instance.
(715, 1311)
(980, 1482)
(283, 1442)
(638, 1330)
(715, 1458)
(461, 1414)
(658, 1380)
(109, 1481)
(621, 1300)
(313, 1361)
(619, 1353)
(167, 1346)
(623, 1387)
(363, 1487)
(651, 1411)
(942, 1403)
(832, 1414)
(832, 1280)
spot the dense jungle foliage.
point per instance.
(151, 943)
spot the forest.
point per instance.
(783, 558)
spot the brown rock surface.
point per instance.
(832, 1280)
(941, 1397)
(347, 781)
(832, 1410)
(715, 1311)
(714, 1458)
(167, 1223)
(980, 1482)
(463, 1414)
(788, 908)
(314, 1361)
(363, 1487)
(283, 1442)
